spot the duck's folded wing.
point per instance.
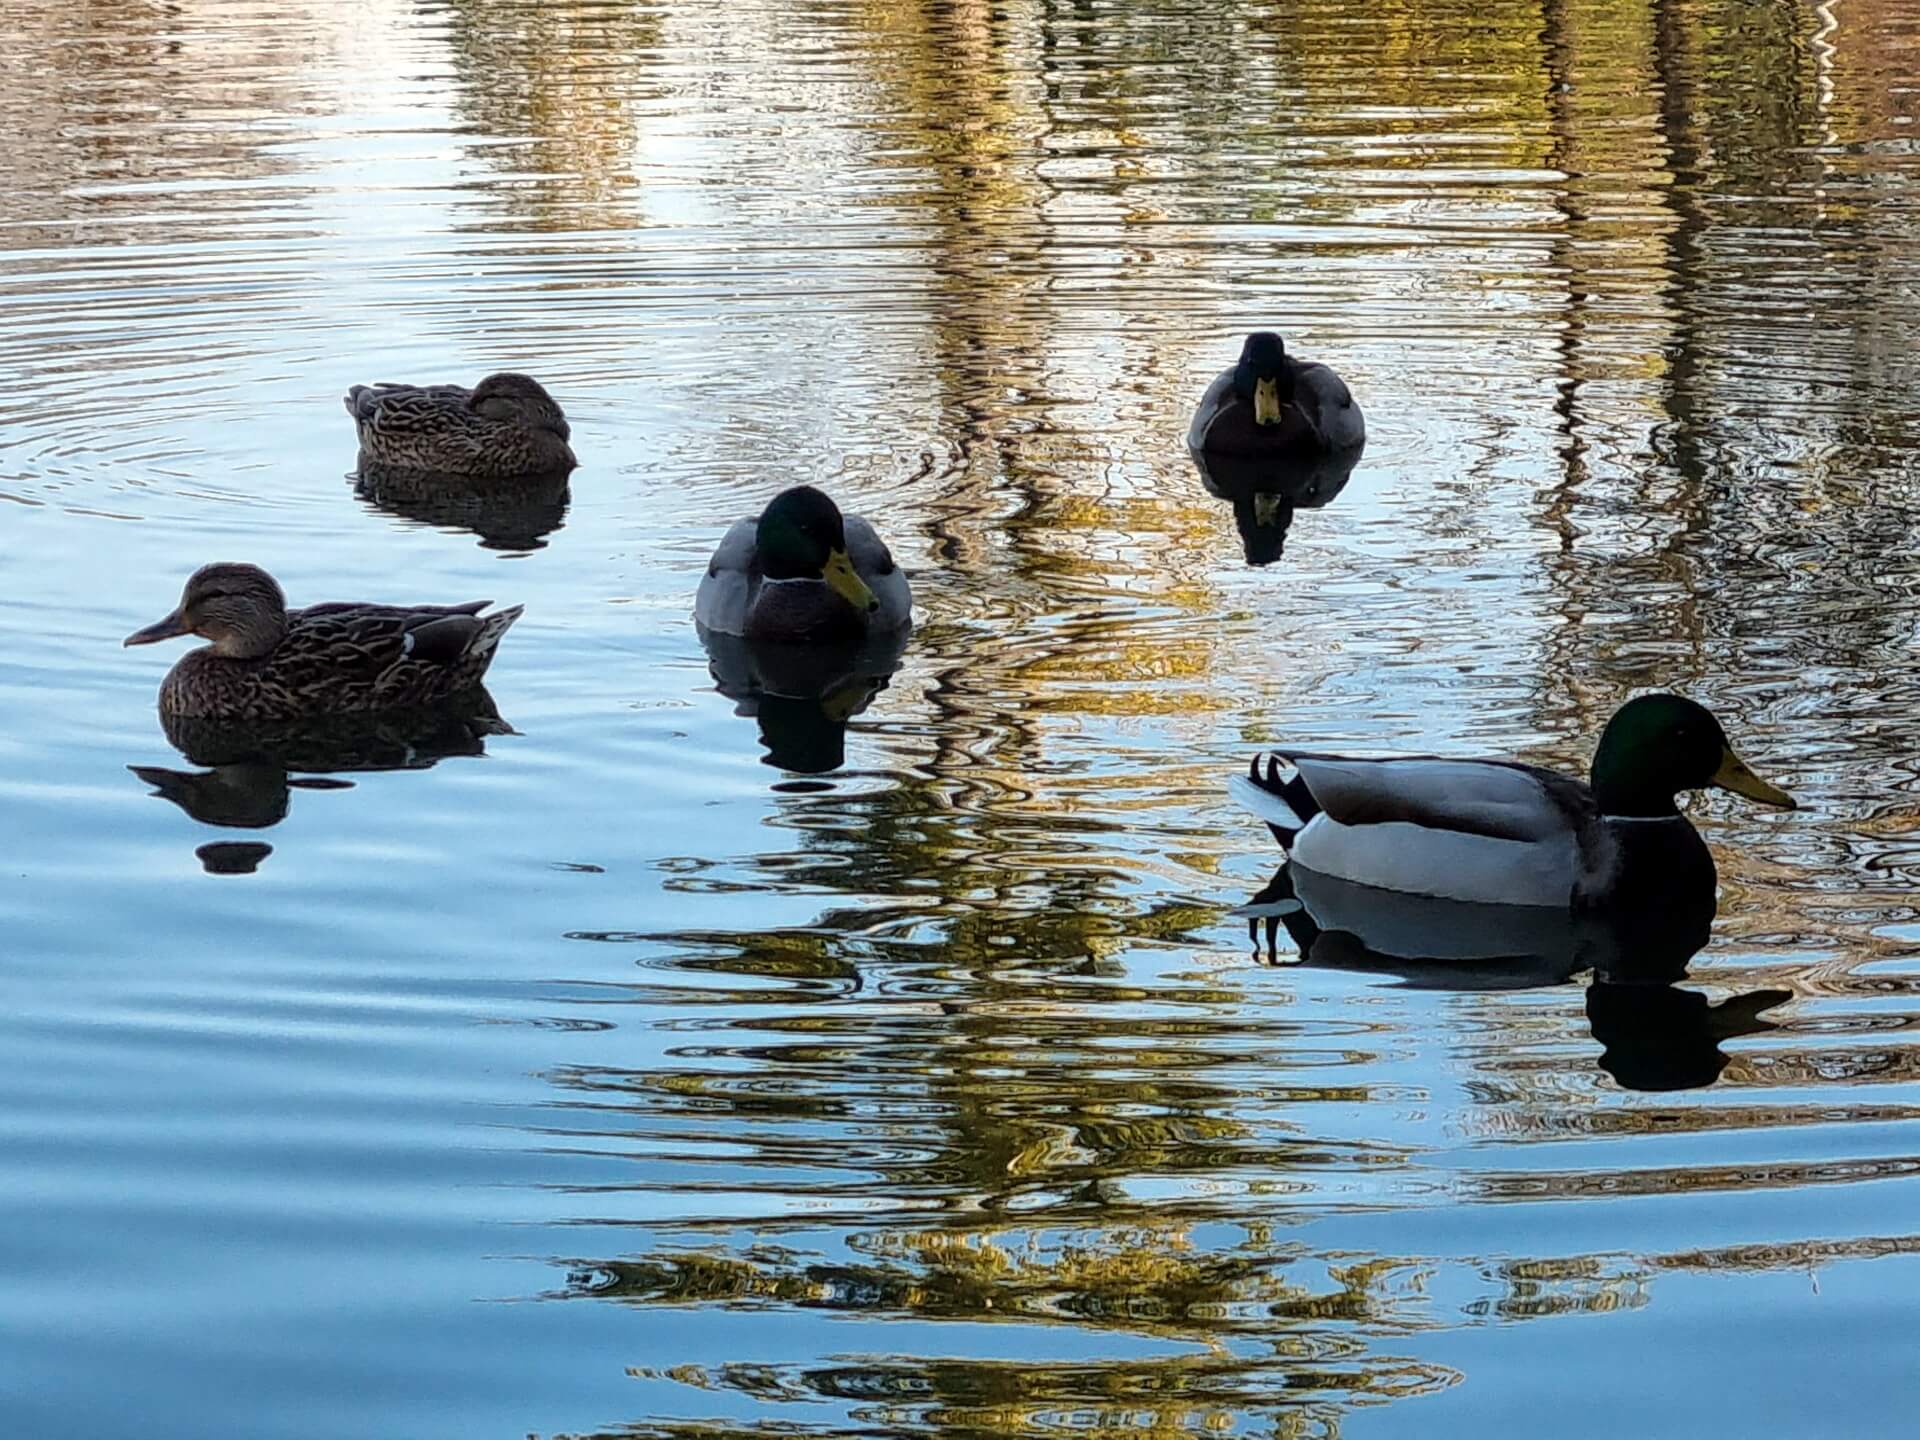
(726, 590)
(355, 639)
(1329, 404)
(1470, 797)
(874, 563)
(398, 408)
(1209, 409)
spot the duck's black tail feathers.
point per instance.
(1280, 798)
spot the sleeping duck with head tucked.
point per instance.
(802, 573)
(1496, 832)
(267, 662)
(507, 425)
(1275, 406)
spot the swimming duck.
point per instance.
(1271, 405)
(1496, 832)
(799, 571)
(506, 425)
(270, 663)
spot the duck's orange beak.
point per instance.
(167, 629)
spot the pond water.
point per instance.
(600, 1077)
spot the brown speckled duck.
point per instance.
(506, 425)
(270, 663)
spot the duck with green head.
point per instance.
(801, 572)
(1497, 832)
(1274, 406)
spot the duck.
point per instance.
(267, 662)
(1273, 406)
(801, 572)
(507, 425)
(1497, 832)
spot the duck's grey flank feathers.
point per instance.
(876, 566)
(726, 590)
(1452, 864)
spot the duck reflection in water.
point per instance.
(515, 514)
(1654, 1035)
(803, 695)
(1264, 492)
(251, 769)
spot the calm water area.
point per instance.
(902, 1068)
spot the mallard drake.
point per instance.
(1500, 833)
(506, 425)
(1271, 405)
(270, 663)
(800, 571)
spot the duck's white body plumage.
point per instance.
(732, 586)
(1482, 831)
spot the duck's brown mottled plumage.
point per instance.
(269, 663)
(506, 425)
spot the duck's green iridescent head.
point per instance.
(802, 537)
(1658, 745)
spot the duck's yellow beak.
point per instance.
(839, 703)
(1266, 402)
(1735, 775)
(847, 584)
(167, 629)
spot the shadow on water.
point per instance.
(512, 514)
(1655, 1035)
(802, 695)
(251, 769)
(1265, 493)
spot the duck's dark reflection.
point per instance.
(1661, 1037)
(511, 514)
(1654, 1035)
(1265, 493)
(233, 857)
(249, 771)
(802, 695)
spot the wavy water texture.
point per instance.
(940, 1091)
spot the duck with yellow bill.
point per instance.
(1497, 832)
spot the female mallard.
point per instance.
(506, 425)
(1499, 833)
(269, 663)
(1272, 406)
(802, 572)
